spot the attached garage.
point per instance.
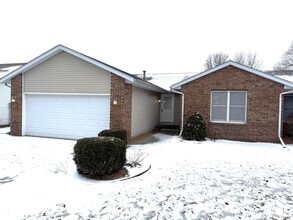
(66, 97)
(66, 94)
(66, 116)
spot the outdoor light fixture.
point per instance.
(114, 102)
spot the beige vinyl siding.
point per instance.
(145, 111)
(65, 73)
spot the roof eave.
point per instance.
(148, 86)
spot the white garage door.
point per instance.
(66, 116)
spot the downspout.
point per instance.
(182, 110)
(280, 116)
(6, 84)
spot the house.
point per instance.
(288, 99)
(288, 104)
(65, 94)
(237, 102)
(5, 93)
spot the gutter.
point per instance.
(182, 110)
(280, 115)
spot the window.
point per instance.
(228, 106)
(167, 102)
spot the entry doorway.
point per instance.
(167, 108)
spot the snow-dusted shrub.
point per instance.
(99, 156)
(118, 133)
(195, 128)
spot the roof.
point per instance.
(59, 48)
(7, 68)
(283, 74)
(6, 65)
(280, 72)
(165, 80)
(237, 65)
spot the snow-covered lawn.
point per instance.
(188, 180)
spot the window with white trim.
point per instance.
(228, 106)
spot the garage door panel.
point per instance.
(70, 116)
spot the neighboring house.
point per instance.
(65, 94)
(236, 102)
(288, 99)
(5, 93)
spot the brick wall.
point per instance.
(262, 104)
(120, 114)
(16, 106)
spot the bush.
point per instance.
(118, 133)
(288, 129)
(195, 128)
(99, 156)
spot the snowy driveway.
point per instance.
(188, 180)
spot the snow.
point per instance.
(188, 180)
(6, 71)
(286, 77)
(165, 80)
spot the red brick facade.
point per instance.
(120, 113)
(16, 106)
(262, 104)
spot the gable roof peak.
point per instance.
(55, 50)
(58, 48)
(237, 65)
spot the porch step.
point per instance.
(171, 127)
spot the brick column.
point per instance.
(120, 113)
(16, 106)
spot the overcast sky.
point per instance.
(157, 36)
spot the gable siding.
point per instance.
(64, 73)
(145, 111)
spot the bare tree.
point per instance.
(240, 57)
(215, 59)
(286, 62)
(248, 59)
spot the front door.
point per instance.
(167, 108)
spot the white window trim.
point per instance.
(228, 108)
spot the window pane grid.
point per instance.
(238, 106)
(234, 109)
(219, 106)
